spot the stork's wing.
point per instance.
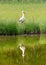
(22, 19)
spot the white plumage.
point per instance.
(22, 48)
(22, 19)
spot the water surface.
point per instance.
(28, 40)
(35, 53)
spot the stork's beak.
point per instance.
(24, 12)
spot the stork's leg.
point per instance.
(23, 53)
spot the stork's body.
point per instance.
(22, 19)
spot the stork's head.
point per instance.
(21, 45)
(22, 11)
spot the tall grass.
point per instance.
(43, 26)
(31, 27)
(28, 27)
(14, 28)
(8, 28)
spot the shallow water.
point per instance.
(10, 54)
(28, 40)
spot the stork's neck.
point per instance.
(23, 14)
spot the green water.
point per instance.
(27, 40)
(35, 52)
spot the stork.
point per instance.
(22, 48)
(22, 19)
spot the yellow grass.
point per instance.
(32, 11)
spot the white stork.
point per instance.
(22, 48)
(22, 19)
